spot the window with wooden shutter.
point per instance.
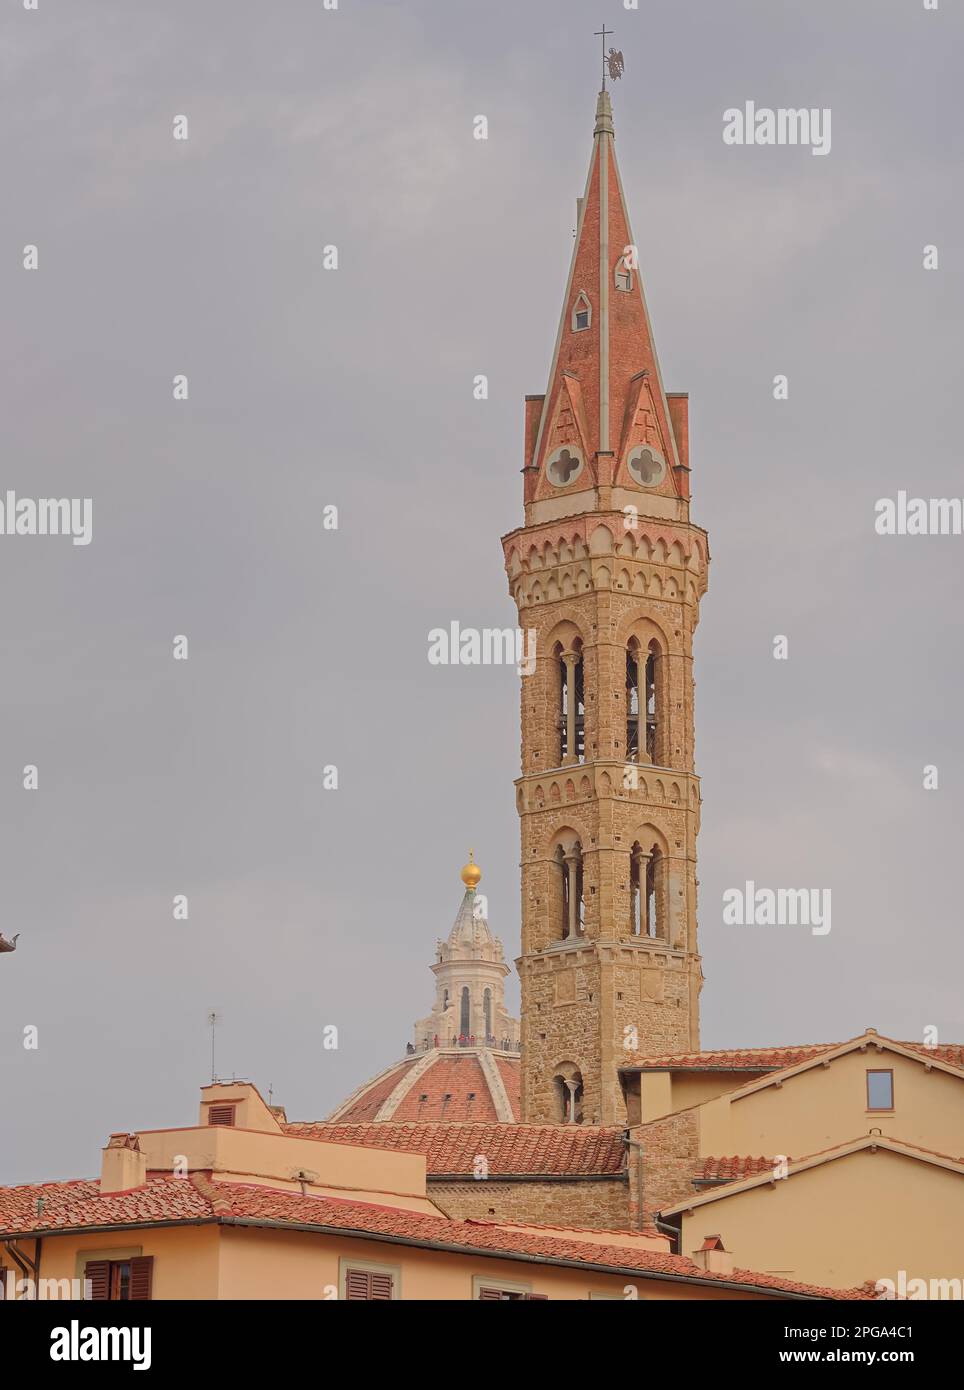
(118, 1281)
(368, 1284)
(97, 1279)
(221, 1115)
(142, 1277)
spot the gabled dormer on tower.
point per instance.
(608, 571)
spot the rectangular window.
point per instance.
(367, 1284)
(880, 1090)
(361, 1281)
(116, 1281)
(500, 1291)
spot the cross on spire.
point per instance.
(603, 33)
(612, 61)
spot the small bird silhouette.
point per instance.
(6, 945)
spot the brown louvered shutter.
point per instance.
(98, 1272)
(491, 1294)
(367, 1284)
(221, 1115)
(357, 1283)
(531, 1296)
(142, 1276)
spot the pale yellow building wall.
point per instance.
(259, 1264)
(251, 1109)
(825, 1106)
(255, 1156)
(695, 1088)
(858, 1218)
(211, 1262)
(185, 1257)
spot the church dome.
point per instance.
(463, 1062)
(460, 1083)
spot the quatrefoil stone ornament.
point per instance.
(647, 467)
(563, 468)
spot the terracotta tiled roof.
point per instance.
(368, 1100)
(80, 1203)
(733, 1168)
(731, 1059)
(450, 1084)
(515, 1149)
(199, 1198)
(453, 1088)
(774, 1058)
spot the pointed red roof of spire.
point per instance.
(605, 394)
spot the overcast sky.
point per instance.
(353, 387)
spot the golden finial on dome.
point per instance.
(471, 873)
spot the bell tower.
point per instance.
(608, 572)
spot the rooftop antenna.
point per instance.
(214, 1018)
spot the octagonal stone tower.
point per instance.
(608, 572)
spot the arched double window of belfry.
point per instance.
(465, 1014)
(569, 890)
(487, 1012)
(648, 897)
(644, 678)
(571, 703)
(567, 1095)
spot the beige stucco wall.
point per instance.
(185, 1257)
(210, 1262)
(861, 1217)
(303, 1265)
(255, 1156)
(827, 1105)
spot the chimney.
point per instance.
(123, 1165)
(712, 1257)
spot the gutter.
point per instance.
(620, 1176)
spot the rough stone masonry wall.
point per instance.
(670, 1157)
(596, 1205)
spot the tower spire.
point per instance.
(605, 425)
(609, 571)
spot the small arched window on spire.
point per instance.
(581, 312)
(623, 276)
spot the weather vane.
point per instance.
(613, 60)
